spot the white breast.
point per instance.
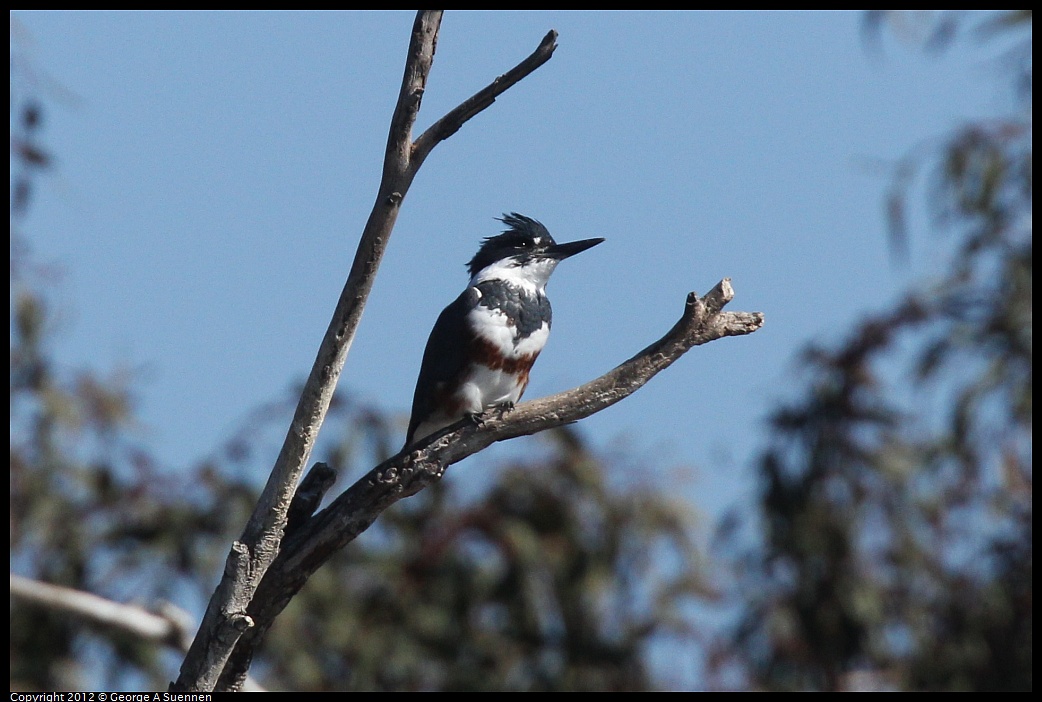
(489, 385)
(495, 327)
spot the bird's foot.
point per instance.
(500, 409)
(495, 411)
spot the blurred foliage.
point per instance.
(547, 581)
(540, 577)
(90, 509)
(896, 492)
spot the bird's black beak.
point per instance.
(563, 251)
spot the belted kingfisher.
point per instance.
(483, 345)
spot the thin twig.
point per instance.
(451, 122)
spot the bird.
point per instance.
(482, 347)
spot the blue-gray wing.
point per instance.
(444, 361)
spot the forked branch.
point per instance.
(263, 573)
(226, 618)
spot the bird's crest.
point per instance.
(522, 234)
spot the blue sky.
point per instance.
(213, 172)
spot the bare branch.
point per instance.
(451, 122)
(225, 619)
(173, 627)
(309, 495)
(170, 626)
(410, 471)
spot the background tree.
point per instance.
(896, 545)
(90, 510)
(549, 581)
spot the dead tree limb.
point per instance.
(169, 627)
(405, 474)
(226, 618)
